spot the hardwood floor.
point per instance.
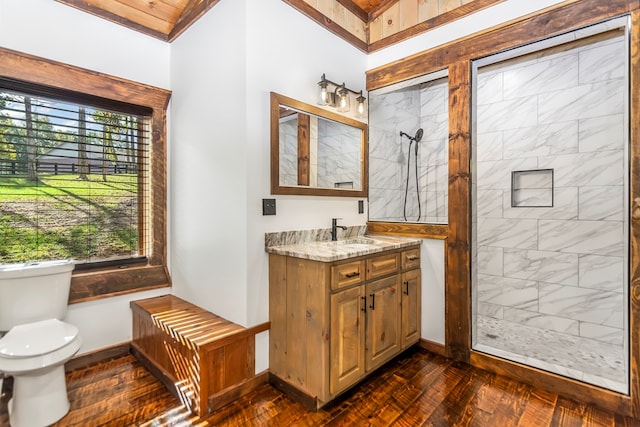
(417, 388)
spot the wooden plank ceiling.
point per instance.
(367, 24)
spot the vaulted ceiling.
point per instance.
(367, 24)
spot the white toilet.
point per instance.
(37, 343)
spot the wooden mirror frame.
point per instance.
(276, 101)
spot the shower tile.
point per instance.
(522, 112)
(581, 102)
(490, 260)
(550, 267)
(540, 77)
(508, 233)
(601, 133)
(497, 174)
(489, 88)
(508, 292)
(384, 174)
(602, 62)
(436, 127)
(543, 140)
(601, 272)
(582, 304)
(490, 146)
(565, 206)
(584, 237)
(542, 321)
(582, 169)
(602, 333)
(489, 204)
(434, 100)
(601, 203)
(490, 310)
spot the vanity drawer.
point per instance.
(347, 274)
(411, 259)
(382, 265)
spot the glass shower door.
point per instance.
(550, 211)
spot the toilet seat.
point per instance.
(37, 339)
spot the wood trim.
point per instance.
(458, 278)
(432, 347)
(566, 386)
(352, 7)
(324, 21)
(88, 285)
(194, 11)
(235, 392)
(304, 148)
(424, 231)
(634, 217)
(109, 16)
(381, 8)
(102, 355)
(436, 21)
(531, 28)
(308, 401)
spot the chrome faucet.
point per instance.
(334, 228)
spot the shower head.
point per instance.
(416, 138)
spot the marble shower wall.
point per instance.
(558, 268)
(407, 109)
(332, 161)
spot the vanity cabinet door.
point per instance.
(347, 338)
(383, 320)
(410, 324)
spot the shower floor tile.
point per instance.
(587, 360)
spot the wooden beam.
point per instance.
(429, 24)
(458, 279)
(304, 7)
(191, 13)
(355, 9)
(304, 148)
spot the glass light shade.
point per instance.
(343, 103)
(323, 94)
(361, 107)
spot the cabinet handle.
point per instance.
(354, 274)
(406, 290)
(364, 304)
(412, 258)
(373, 301)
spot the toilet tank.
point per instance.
(33, 291)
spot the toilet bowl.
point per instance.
(37, 343)
(35, 354)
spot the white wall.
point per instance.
(223, 68)
(51, 30)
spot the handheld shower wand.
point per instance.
(416, 138)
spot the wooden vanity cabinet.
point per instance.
(332, 323)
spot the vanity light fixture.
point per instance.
(339, 97)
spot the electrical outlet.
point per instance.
(268, 206)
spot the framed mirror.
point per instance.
(316, 152)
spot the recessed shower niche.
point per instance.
(550, 180)
(408, 151)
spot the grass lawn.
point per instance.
(60, 217)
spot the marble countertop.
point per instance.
(328, 251)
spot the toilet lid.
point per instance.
(33, 339)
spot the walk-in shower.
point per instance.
(550, 175)
(409, 184)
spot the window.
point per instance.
(73, 177)
(121, 246)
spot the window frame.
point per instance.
(102, 282)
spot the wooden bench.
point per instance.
(204, 359)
